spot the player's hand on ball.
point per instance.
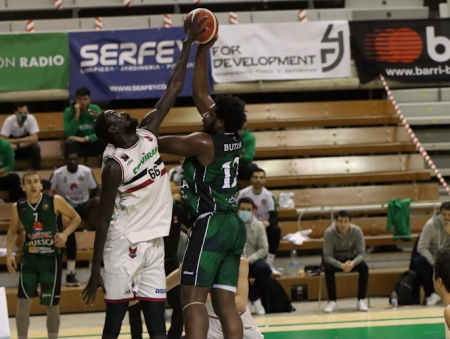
(95, 282)
(194, 30)
(60, 239)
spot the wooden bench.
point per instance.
(289, 143)
(374, 230)
(356, 195)
(260, 116)
(339, 170)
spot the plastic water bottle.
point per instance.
(394, 300)
(293, 263)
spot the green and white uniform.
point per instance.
(41, 262)
(218, 236)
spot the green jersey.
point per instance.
(40, 223)
(213, 188)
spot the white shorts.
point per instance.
(134, 271)
(251, 330)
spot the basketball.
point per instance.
(211, 23)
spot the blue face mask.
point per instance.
(245, 216)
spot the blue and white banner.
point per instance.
(127, 64)
(282, 51)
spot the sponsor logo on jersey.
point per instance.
(23, 210)
(31, 249)
(45, 207)
(145, 157)
(132, 253)
(127, 292)
(263, 202)
(81, 178)
(73, 186)
(160, 290)
(124, 157)
(37, 226)
(148, 138)
(188, 273)
(175, 219)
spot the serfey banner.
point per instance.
(34, 61)
(127, 64)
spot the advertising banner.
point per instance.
(127, 64)
(404, 50)
(281, 51)
(33, 61)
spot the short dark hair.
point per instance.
(67, 152)
(82, 92)
(246, 200)
(101, 128)
(445, 206)
(231, 110)
(19, 104)
(441, 266)
(258, 169)
(344, 214)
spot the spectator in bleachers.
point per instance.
(435, 235)
(76, 183)
(265, 211)
(255, 250)
(79, 126)
(246, 167)
(8, 180)
(344, 250)
(21, 130)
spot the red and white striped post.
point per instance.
(167, 20)
(127, 3)
(197, 2)
(302, 17)
(233, 18)
(30, 26)
(412, 135)
(98, 22)
(58, 4)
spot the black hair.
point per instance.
(70, 151)
(441, 263)
(258, 170)
(101, 128)
(19, 104)
(445, 206)
(344, 214)
(82, 92)
(231, 110)
(246, 200)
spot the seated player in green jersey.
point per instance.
(41, 260)
(209, 191)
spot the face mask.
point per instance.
(23, 117)
(245, 216)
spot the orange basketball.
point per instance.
(210, 23)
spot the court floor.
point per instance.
(308, 322)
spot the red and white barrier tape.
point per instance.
(58, 4)
(30, 26)
(98, 23)
(233, 18)
(302, 15)
(167, 20)
(413, 136)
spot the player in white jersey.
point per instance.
(215, 331)
(135, 210)
(441, 281)
(265, 211)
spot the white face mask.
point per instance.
(245, 216)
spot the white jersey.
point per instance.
(12, 129)
(74, 187)
(143, 207)
(251, 330)
(264, 202)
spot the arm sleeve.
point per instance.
(9, 157)
(6, 129)
(34, 127)
(360, 247)
(262, 243)
(423, 247)
(70, 125)
(249, 146)
(328, 250)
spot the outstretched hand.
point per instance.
(95, 282)
(194, 28)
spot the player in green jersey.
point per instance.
(209, 190)
(41, 261)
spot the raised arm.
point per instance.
(153, 119)
(200, 87)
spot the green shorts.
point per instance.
(213, 252)
(44, 271)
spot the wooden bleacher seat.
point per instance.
(338, 170)
(187, 119)
(356, 195)
(374, 230)
(329, 141)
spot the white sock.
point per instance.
(269, 258)
(70, 266)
